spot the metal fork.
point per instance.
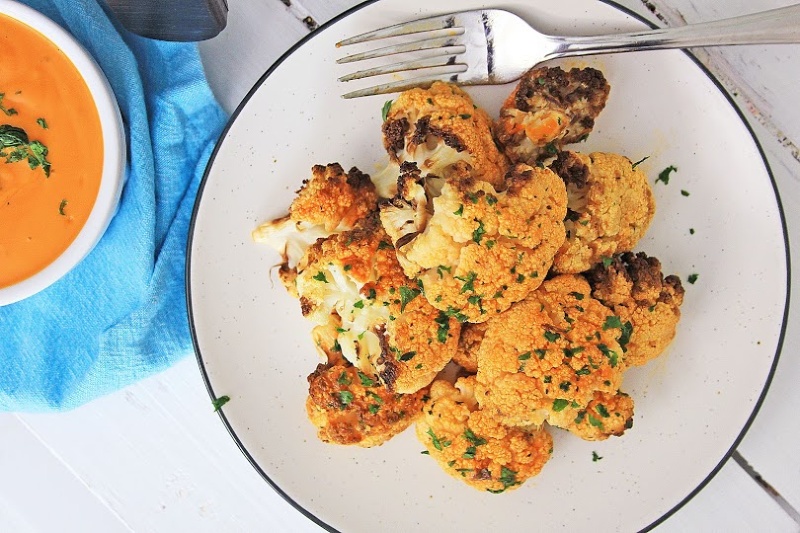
(492, 46)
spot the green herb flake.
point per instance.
(336, 346)
(406, 295)
(437, 443)
(345, 398)
(460, 211)
(387, 106)
(684, 192)
(479, 232)
(595, 457)
(551, 336)
(663, 176)
(691, 231)
(611, 354)
(61, 207)
(565, 385)
(42, 123)
(639, 162)
(559, 404)
(580, 417)
(366, 380)
(490, 244)
(469, 453)
(456, 313)
(425, 452)
(320, 276)
(577, 295)
(606, 261)
(572, 352)
(9, 111)
(583, 371)
(408, 356)
(219, 402)
(375, 397)
(359, 304)
(692, 278)
(374, 408)
(383, 245)
(469, 282)
(594, 421)
(601, 410)
(472, 438)
(547, 379)
(508, 477)
(344, 379)
(465, 116)
(612, 322)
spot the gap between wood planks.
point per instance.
(786, 506)
(302, 14)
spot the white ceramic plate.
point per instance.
(692, 405)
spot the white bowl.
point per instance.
(113, 149)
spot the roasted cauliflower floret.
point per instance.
(609, 209)
(633, 286)
(605, 415)
(443, 132)
(470, 445)
(557, 348)
(349, 406)
(549, 108)
(480, 250)
(331, 201)
(385, 327)
(467, 352)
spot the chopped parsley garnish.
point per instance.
(444, 327)
(571, 352)
(465, 116)
(385, 110)
(406, 295)
(366, 380)
(408, 356)
(606, 261)
(611, 354)
(580, 417)
(344, 379)
(469, 453)
(490, 244)
(383, 245)
(455, 313)
(347, 267)
(551, 148)
(691, 231)
(438, 444)
(425, 452)
(375, 397)
(595, 457)
(61, 207)
(441, 268)
(639, 162)
(42, 122)
(583, 371)
(684, 192)
(320, 276)
(23, 149)
(551, 336)
(595, 422)
(336, 346)
(219, 402)
(663, 176)
(565, 385)
(359, 304)
(371, 295)
(7, 110)
(547, 379)
(559, 404)
(460, 211)
(601, 410)
(479, 232)
(345, 398)
(525, 356)
(469, 282)
(472, 438)
(692, 278)
(374, 408)
(540, 352)
(508, 477)
(475, 300)
(577, 295)
(491, 199)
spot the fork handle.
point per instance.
(780, 25)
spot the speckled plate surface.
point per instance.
(692, 405)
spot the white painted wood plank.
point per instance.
(257, 34)
(159, 456)
(38, 493)
(732, 503)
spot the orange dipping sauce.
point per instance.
(41, 216)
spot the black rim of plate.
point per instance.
(317, 520)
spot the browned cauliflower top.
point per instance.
(349, 406)
(481, 250)
(605, 415)
(332, 200)
(547, 109)
(636, 289)
(468, 343)
(555, 349)
(609, 209)
(472, 446)
(442, 131)
(386, 326)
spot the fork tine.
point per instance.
(442, 64)
(406, 28)
(395, 86)
(444, 45)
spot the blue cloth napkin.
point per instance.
(120, 315)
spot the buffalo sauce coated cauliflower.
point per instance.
(635, 288)
(609, 209)
(385, 326)
(549, 108)
(605, 415)
(475, 249)
(331, 201)
(443, 132)
(350, 407)
(467, 351)
(553, 350)
(471, 445)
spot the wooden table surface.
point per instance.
(154, 457)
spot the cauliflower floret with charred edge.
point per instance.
(549, 108)
(604, 416)
(386, 327)
(468, 343)
(634, 286)
(470, 445)
(555, 349)
(331, 201)
(610, 206)
(349, 406)
(444, 133)
(479, 250)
